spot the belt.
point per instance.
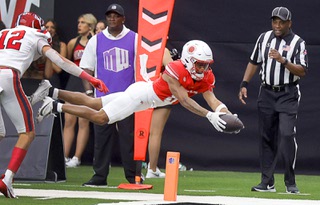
(279, 88)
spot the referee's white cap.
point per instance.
(281, 12)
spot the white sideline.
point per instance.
(148, 199)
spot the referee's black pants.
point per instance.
(277, 127)
(104, 143)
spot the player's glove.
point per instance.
(98, 84)
(216, 121)
(95, 82)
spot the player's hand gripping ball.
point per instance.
(234, 124)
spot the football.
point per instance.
(234, 124)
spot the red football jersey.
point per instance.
(177, 70)
(77, 53)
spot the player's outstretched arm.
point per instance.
(214, 103)
(181, 94)
(72, 68)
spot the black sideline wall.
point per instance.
(231, 28)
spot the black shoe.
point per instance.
(292, 189)
(132, 180)
(264, 188)
(95, 183)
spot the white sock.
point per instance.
(8, 177)
(59, 107)
(55, 93)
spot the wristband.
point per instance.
(285, 62)
(220, 107)
(244, 84)
(89, 92)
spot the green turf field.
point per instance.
(195, 183)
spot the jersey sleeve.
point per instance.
(43, 39)
(88, 59)
(256, 57)
(44, 34)
(41, 43)
(175, 69)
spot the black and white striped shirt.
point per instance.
(292, 47)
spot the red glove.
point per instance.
(99, 84)
(95, 82)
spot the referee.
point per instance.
(282, 58)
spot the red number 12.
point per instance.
(13, 41)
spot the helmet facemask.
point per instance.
(197, 57)
(199, 68)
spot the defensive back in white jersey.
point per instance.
(21, 45)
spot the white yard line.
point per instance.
(151, 199)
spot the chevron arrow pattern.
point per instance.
(151, 45)
(154, 18)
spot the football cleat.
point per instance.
(46, 109)
(41, 92)
(6, 189)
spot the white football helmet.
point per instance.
(196, 52)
